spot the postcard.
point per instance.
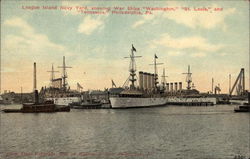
(124, 79)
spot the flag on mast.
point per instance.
(113, 84)
(133, 48)
(156, 56)
(79, 86)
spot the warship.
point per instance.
(59, 92)
(133, 96)
(150, 93)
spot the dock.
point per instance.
(194, 101)
(191, 103)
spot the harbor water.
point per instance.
(213, 132)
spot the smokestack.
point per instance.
(212, 85)
(175, 86)
(141, 80)
(152, 81)
(149, 86)
(167, 87)
(171, 87)
(180, 86)
(156, 80)
(36, 97)
(34, 77)
(248, 93)
(145, 81)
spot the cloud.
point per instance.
(198, 54)
(90, 24)
(192, 19)
(193, 42)
(145, 19)
(175, 53)
(203, 19)
(28, 43)
(21, 46)
(19, 23)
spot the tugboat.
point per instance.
(36, 107)
(245, 107)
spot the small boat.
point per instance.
(245, 107)
(45, 107)
(242, 108)
(89, 104)
(36, 107)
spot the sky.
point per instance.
(214, 43)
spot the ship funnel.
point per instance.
(180, 86)
(248, 93)
(36, 97)
(171, 87)
(145, 81)
(175, 86)
(167, 87)
(149, 81)
(141, 80)
(152, 81)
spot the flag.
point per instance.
(133, 48)
(79, 86)
(156, 56)
(113, 84)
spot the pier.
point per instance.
(194, 101)
(191, 103)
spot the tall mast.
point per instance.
(0, 73)
(188, 78)
(52, 77)
(132, 67)
(155, 71)
(163, 78)
(212, 85)
(64, 76)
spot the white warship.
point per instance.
(146, 95)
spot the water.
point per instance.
(163, 132)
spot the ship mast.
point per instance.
(155, 71)
(64, 76)
(163, 78)
(0, 74)
(132, 67)
(188, 78)
(52, 74)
